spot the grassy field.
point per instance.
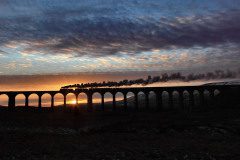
(213, 134)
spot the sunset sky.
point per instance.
(39, 37)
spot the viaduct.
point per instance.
(229, 95)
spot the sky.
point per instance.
(51, 37)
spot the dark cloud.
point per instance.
(74, 30)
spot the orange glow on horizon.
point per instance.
(72, 102)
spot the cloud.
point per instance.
(2, 52)
(86, 31)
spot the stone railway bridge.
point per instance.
(229, 95)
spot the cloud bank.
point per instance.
(101, 31)
(63, 36)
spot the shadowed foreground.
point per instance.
(151, 135)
